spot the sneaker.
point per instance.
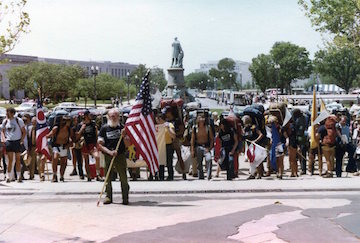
(82, 177)
(328, 175)
(251, 177)
(99, 178)
(42, 178)
(73, 173)
(62, 179)
(20, 179)
(88, 179)
(107, 201)
(54, 179)
(184, 176)
(8, 180)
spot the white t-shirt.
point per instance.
(12, 128)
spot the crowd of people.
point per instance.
(208, 137)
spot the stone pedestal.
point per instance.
(176, 85)
(176, 78)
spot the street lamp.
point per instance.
(94, 73)
(128, 86)
(215, 83)
(277, 68)
(136, 80)
(241, 84)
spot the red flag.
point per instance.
(41, 131)
(140, 127)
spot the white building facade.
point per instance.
(243, 75)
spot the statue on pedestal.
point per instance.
(178, 54)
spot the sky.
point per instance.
(142, 31)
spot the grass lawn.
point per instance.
(219, 111)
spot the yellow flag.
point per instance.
(313, 142)
(322, 106)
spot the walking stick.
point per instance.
(47, 170)
(108, 172)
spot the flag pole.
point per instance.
(46, 163)
(109, 169)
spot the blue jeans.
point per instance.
(229, 159)
(169, 160)
(340, 152)
(200, 155)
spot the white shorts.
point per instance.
(63, 152)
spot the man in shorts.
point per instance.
(12, 135)
(89, 131)
(61, 141)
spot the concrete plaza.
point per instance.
(304, 209)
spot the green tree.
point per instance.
(14, 21)
(137, 74)
(56, 81)
(158, 78)
(225, 74)
(341, 18)
(294, 63)
(198, 81)
(341, 64)
(263, 72)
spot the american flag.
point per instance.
(41, 131)
(141, 129)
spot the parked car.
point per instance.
(69, 108)
(29, 107)
(2, 114)
(67, 104)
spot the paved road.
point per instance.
(212, 104)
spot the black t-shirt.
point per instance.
(90, 133)
(322, 131)
(227, 138)
(110, 136)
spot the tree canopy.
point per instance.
(294, 63)
(263, 72)
(157, 77)
(340, 18)
(198, 81)
(340, 65)
(225, 74)
(55, 80)
(13, 21)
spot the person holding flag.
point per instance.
(140, 130)
(42, 131)
(108, 138)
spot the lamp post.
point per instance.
(128, 86)
(230, 77)
(94, 73)
(241, 84)
(277, 68)
(136, 81)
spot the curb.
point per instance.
(189, 192)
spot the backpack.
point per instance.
(257, 117)
(16, 119)
(330, 138)
(53, 140)
(207, 130)
(300, 128)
